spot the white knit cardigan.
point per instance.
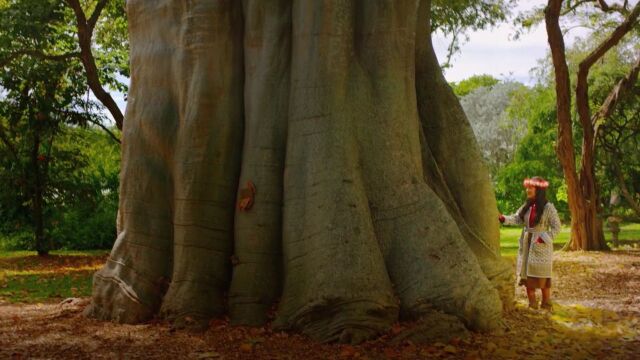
(540, 258)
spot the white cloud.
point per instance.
(493, 52)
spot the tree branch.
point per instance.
(85, 32)
(582, 88)
(623, 188)
(617, 93)
(613, 8)
(91, 23)
(106, 129)
(574, 6)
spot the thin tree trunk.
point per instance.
(564, 147)
(37, 196)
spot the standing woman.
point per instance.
(535, 251)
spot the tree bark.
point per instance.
(300, 154)
(564, 147)
(37, 199)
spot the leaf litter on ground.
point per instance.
(596, 315)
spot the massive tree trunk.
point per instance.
(362, 196)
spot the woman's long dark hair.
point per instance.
(540, 201)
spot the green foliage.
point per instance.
(618, 137)
(58, 175)
(618, 159)
(82, 197)
(88, 221)
(535, 155)
(466, 86)
(112, 50)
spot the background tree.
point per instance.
(582, 188)
(102, 43)
(98, 42)
(466, 86)
(618, 112)
(534, 155)
(43, 99)
(498, 133)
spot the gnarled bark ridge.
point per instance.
(371, 199)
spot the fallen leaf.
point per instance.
(450, 349)
(347, 351)
(208, 355)
(246, 347)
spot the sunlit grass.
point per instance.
(28, 278)
(25, 277)
(509, 237)
(24, 253)
(36, 288)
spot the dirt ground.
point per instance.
(596, 316)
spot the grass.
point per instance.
(38, 288)
(509, 237)
(25, 253)
(27, 278)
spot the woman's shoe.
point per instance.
(547, 306)
(533, 305)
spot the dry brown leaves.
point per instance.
(596, 315)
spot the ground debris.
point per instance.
(596, 315)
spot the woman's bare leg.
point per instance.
(531, 294)
(546, 295)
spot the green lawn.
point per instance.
(24, 253)
(509, 237)
(25, 277)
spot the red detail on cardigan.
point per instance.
(532, 216)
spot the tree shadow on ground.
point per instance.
(596, 315)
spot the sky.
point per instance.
(492, 52)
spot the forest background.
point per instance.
(63, 92)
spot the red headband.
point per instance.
(540, 183)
